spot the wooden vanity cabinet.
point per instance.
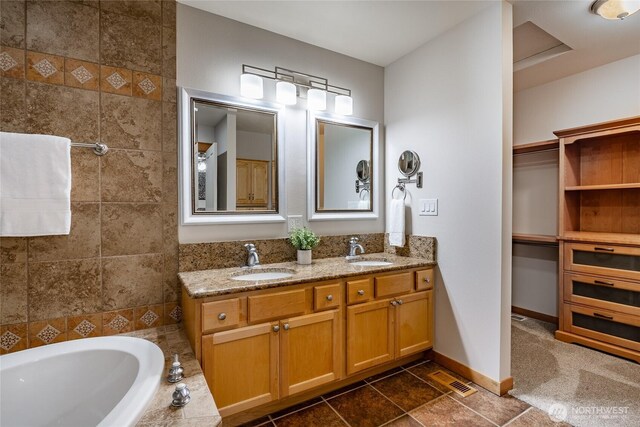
(387, 329)
(260, 347)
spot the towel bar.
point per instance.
(99, 148)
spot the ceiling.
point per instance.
(594, 41)
(384, 31)
(379, 32)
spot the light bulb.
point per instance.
(344, 105)
(316, 99)
(251, 86)
(286, 93)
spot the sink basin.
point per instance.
(263, 274)
(371, 262)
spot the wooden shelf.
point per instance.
(534, 147)
(602, 187)
(535, 239)
(598, 237)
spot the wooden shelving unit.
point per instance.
(540, 239)
(535, 147)
(602, 187)
(599, 241)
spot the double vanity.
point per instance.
(273, 335)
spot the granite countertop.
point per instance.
(201, 410)
(209, 283)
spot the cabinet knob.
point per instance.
(286, 326)
(329, 297)
(394, 303)
(426, 279)
(400, 302)
(361, 292)
(222, 316)
(276, 328)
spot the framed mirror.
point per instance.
(343, 175)
(231, 159)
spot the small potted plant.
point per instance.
(304, 240)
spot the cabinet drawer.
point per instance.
(602, 292)
(276, 305)
(394, 284)
(327, 296)
(603, 325)
(606, 260)
(359, 291)
(220, 314)
(424, 280)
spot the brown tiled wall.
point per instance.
(414, 247)
(206, 256)
(94, 71)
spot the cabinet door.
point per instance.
(259, 183)
(241, 367)
(370, 335)
(414, 323)
(243, 182)
(309, 351)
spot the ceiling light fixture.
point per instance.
(615, 9)
(290, 84)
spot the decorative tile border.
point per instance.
(45, 68)
(59, 70)
(35, 334)
(12, 62)
(81, 74)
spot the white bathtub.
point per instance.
(106, 381)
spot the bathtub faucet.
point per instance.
(176, 371)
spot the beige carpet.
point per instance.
(595, 389)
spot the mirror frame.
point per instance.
(187, 214)
(375, 178)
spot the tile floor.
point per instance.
(406, 397)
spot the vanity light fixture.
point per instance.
(615, 9)
(316, 99)
(286, 93)
(251, 86)
(290, 84)
(344, 105)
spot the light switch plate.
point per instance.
(428, 207)
(294, 221)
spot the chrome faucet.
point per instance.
(176, 371)
(252, 258)
(353, 247)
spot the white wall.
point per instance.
(450, 101)
(215, 66)
(206, 134)
(253, 145)
(608, 92)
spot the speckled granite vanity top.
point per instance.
(209, 283)
(202, 409)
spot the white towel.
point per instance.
(35, 185)
(396, 222)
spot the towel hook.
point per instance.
(400, 187)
